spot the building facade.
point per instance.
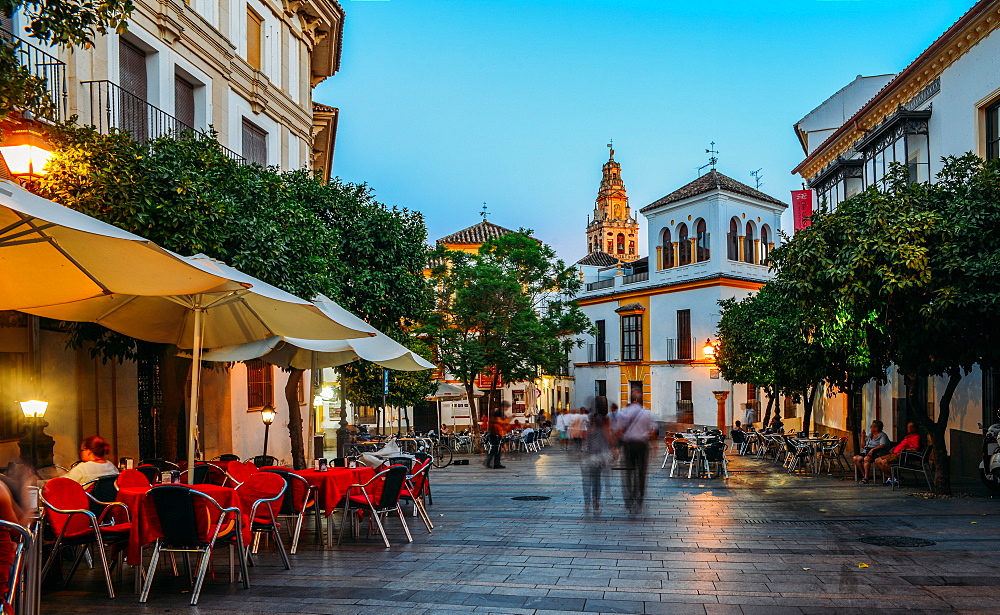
(242, 68)
(613, 229)
(711, 237)
(945, 102)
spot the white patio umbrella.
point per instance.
(52, 254)
(448, 391)
(209, 319)
(298, 353)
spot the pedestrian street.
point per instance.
(762, 541)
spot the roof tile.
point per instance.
(713, 180)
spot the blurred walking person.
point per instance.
(635, 422)
(497, 429)
(598, 457)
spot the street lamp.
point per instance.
(34, 410)
(708, 350)
(267, 417)
(26, 152)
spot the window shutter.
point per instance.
(184, 103)
(254, 35)
(132, 107)
(254, 143)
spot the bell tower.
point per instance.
(613, 229)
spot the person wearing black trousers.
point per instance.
(497, 429)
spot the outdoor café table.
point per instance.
(815, 447)
(146, 524)
(331, 487)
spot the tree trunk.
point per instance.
(295, 419)
(853, 420)
(173, 413)
(808, 399)
(939, 456)
(769, 391)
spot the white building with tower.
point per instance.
(653, 317)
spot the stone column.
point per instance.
(694, 249)
(674, 245)
(720, 397)
(756, 251)
(659, 257)
(740, 245)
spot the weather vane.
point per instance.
(757, 175)
(611, 146)
(712, 160)
(483, 212)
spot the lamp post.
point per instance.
(26, 152)
(267, 417)
(709, 350)
(34, 410)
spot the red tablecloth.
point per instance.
(146, 523)
(332, 485)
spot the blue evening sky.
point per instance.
(445, 104)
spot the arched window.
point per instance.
(701, 232)
(748, 252)
(631, 247)
(683, 245)
(733, 240)
(668, 250)
(621, 243)
(765, 243)
(611, 246)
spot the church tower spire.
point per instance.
(613, 229)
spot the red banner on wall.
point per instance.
(802, 207)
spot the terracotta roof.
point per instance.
(476, 234)
(598, 259)
(631, 307)
(900, 77)
(713, 180)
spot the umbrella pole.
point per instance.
(195, 377)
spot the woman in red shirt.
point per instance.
(911, 442)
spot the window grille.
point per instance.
(260, 384)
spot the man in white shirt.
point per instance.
(633, 425)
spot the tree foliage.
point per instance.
(507, 309)
(364, 381)
(286, 228)
(907, 273)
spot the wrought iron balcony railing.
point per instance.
(609, 283)
(636, 277)
(598, 353)
(111, 106)
(46, 67)
(680, 350)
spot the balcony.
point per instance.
(112, 107)
(636, 277)
(685, 411)
(680, 350)
(598, 353)
(47, 68)
(609, 283)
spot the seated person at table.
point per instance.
(737, 434)
(909, 443)
(92, 452)
(876, 443)
(444, 430)
(776, 425)
(528, 430)
(516, 425)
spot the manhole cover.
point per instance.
(897, 541)
(532, 498)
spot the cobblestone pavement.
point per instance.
(761, 542)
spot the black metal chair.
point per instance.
(202, 473)
(160, 464)
(264, 460)
(682, 454)
(226, 458)
(23, 543)
(151, 472)
(917, 462)
(259, 493)
(715, 453)
(184, 531)
(358, 498)
(299, 497)
(103, 491)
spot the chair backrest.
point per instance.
(419, 480)
(296, 493)
(406, 462)
(15, 540)
(132, 478)
(264, 460)
(682, 450)
(392, 486)
(201, 473)
(160, 464)
(422, 456)
(225, 458)
(261, 486)
(715, 452)
(175, 508)
(66, 494)
(151, 472)
(240, 471)
(103, 488)
(338, 462)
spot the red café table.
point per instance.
(331, 487)
(146, 524)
